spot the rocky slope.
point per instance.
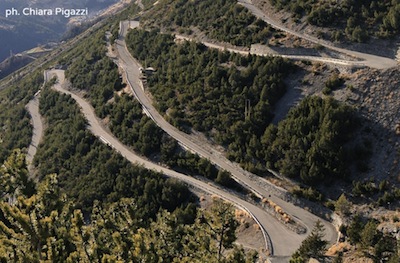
(377, 95)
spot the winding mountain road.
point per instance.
(37, 132)
(284, 241)
(368, 60)
(131, 70)
(279, 240)
(341, 62)
(37, 127)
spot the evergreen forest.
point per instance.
(359, 19)
(84, 202)
(223, 20)
(231, 99)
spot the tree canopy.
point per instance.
(16, 130)
(47, 226)
(310, 142)
(224, 20)
(359, 19)
(88, 170)
(208, 90)
(314, 246)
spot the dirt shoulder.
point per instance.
(249, 235)
(382, 47)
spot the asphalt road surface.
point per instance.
(284, 241)
(368, 60)
(340, 62)
(37, 124)
(131, 70)
(33, 109)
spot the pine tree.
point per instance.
(312, 247)
(342, 205)
(14, 177)
(368, 235)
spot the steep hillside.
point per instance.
(377, 95)
(360, 19)
(368, 152)
(326, 133)
(361, 26)
(13, 63)
(93, 191)
(223, 20)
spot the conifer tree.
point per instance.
(312, 247)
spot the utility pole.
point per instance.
(247, 109)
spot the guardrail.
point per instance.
(296, 227)
(266, 237)
(146, 111)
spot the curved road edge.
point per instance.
(335, 61)
(131, 70)
(37, 126)
(276, 236)
(369, 60)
